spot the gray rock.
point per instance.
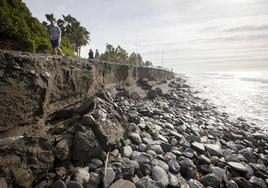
(94, 164)
(214, 149)
(152, 153)
(195, 184)
(238, 167)
(127, 151)
(248, 155)
(187, 168)
(259, 182)
(128, 168)
(174, 166)
(159, 174)
(231, 184)
(56, 184)
(204, 160)
(166, 147)
(173, 142)
(145, 169)
(109, 178)
(147, 182)
(173, 181)
(74, 184)
(142, 147)
(210, 180)
(199, 147)
(157, 149)
(221, 173)
(161, 137)
(142, 158)
(121, 183)
(160, 163)
(155, 135)
(135, 138)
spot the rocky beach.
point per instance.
(96, 125)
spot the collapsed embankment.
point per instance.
(39, 91)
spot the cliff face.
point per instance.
(33, 87)
(54, 112)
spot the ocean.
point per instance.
(240, 94)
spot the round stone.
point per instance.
(159, 174)
(58, 184)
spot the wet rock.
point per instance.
(199, 147)
(174, 166)
(159, 174)
(238, 167)
(121, 183)
(56, 184)
(147, 182)
(259, 182)
(82, 175)
(74, 184)
(210, 180)
(109, 177)
(195, 184)
(127, 151)
(160, 163)
(166, 147)
(135, 138)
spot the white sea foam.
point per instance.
(239, 94)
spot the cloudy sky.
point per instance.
(195, 35)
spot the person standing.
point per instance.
(97, 55)
(55, 38)
(90, 54)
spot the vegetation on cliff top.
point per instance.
(120, 55)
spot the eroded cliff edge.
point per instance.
(45, 103)
(34, 87)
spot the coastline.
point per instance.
(153, 133)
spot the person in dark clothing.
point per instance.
(97, 55)
(90, 54)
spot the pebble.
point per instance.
(238, 167)
(157, 148)
(210, 180)
(166, 147)
(109, 178)
(123, 184)
(135, 138)
(142, 147)
(174, 166)
(199, 147)
(195, 184)
(161, 164)
(159, 174)
(58, 184)
(127, 151)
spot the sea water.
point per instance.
(241, 94)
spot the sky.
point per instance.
(194, 35)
